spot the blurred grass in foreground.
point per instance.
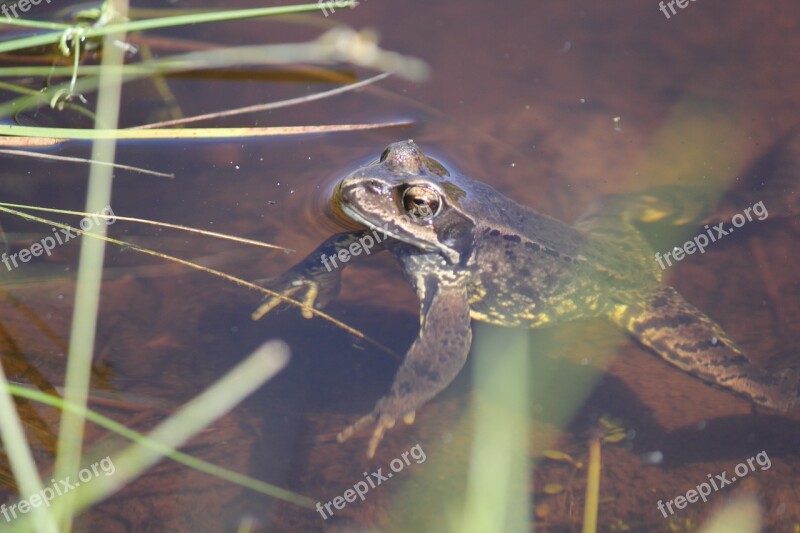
(105, 29)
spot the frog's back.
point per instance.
(532, 269)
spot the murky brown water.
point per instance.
(523, 96)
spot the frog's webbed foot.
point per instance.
(685, 337)
(383, 421)
(317, 278)
(432, 362)
(312, 289)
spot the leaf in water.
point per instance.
(555, 455)
(615, 437)
(543, 510)
(553, 488)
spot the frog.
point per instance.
(471, 253)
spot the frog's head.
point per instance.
(411, 198)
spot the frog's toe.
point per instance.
(314, 289)
(382, 421)
(308, 300)
(273, 301)
(309, 289)
(356, 426)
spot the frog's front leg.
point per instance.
(432, 362)
(663, 321)
(318, 277)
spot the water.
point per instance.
(553, 105)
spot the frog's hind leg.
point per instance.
(683, 336)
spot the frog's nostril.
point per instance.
(374, 186)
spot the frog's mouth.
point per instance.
(385, 229)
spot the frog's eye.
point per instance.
(384, 155)
(421, 203)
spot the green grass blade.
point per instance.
(339, 45)
(266, 292)
(177, 456)
(186, 133)
(90, 271)
(38, 24)
(211, 404)
(497, 497)
(592, 503)
(20, 457)
(156, 23)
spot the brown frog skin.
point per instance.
(472, 253)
